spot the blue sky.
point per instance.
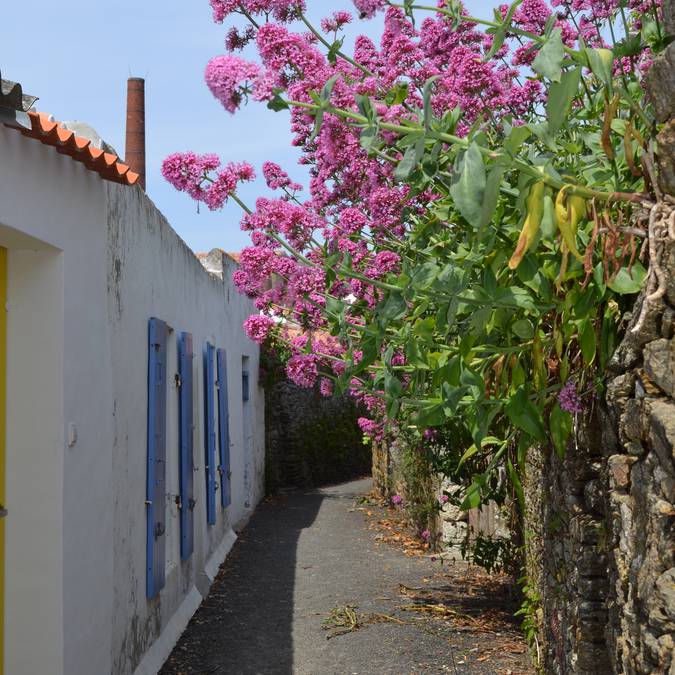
(76, 56)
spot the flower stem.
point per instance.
(327, 44)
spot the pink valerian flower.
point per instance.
(443, 499)
(289, 55)
(369, 427)
(351, 221)
(383, 263)
(326, 387)
(276, 178)
(186, 171)
(336, 22)
(230, 78)
(568, 398)
(258, 327)
(223, 8)
(278, 216)
(282, 10)
(396, 500)
(225, 184)
(369, 8)
(302, 369)
(425, 535)
(235, 40)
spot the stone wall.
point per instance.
(311, 439)
(599, 522)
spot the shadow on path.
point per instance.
(247, 617)
(311, 554)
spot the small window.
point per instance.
(245, 387)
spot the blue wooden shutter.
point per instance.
(209, 434)
(156, 472)
(224, 430)
(186, 426)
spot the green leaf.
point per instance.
(365, 106)
(413, 354)
(472, 497)
(523, 329)
(318, 121)
(517, 136)
(625, 283)
(410, 160)
(369, 138)
(468, 191)
(550, 57)
(334, 49)
(327, 89)
(393, 307)
(425, 275)
(587, 342)
(470, 452)
(524, 415)
(424, 328)
(500, 33)
(560, 97)
(601, 67)
(491, 195)
(515, 296)
(560, 424)
(426, 97)
(277, 103)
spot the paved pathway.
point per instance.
(299, 559)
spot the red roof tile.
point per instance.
(107, 165)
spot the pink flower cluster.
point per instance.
(277, 179)
(230, 78)
(355, 212)
(336, 22)
(258, 327)
(282, 10)
(192, 173)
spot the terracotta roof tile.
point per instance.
(107, 165)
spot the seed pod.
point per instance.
(606, 56)
(569, 212)
(528, 235)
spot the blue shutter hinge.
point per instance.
(179, 503)
(177, 379)
(148, 502)
(191, 503)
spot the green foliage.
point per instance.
(516, 277)
(529, 610)
(493, 554)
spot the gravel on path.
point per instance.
(312, 555)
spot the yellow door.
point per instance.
(3, 436)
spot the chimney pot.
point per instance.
(135, 137)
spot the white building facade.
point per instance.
(133, 441)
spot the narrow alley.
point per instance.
(307, 568)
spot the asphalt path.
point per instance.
(301, 561)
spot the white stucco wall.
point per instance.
(152, 273)
(89, 263)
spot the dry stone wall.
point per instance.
(599, 526)
(311, 439)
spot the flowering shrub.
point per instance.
(479, 195)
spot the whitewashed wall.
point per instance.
(89, 263)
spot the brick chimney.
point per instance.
(135, 146)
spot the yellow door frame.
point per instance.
(3, 437)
